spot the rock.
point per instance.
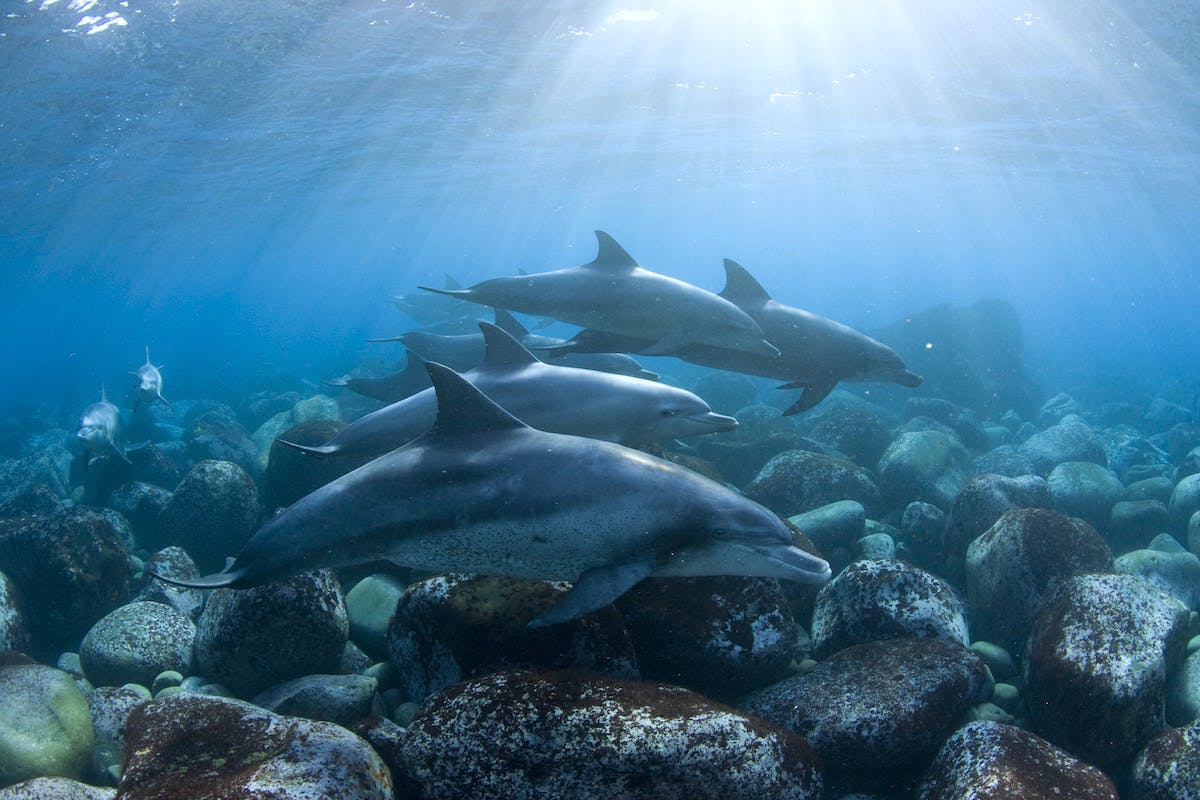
(141, 504)
(1126, 451)
(998, 660)
(212, 513)
(55, 789)
(194, 746)
(1162, 414)
(1185, 501)
(1176, 573)
(70, 567)
(1012, 566)
(922, 530)
(110, 707)
(527, 736)
(1056, 408)
(1168, 768)
(981, 502)
(1085, 490)
(14, 631)
(929, 466)
(370, 605)
(291, 474)
(1193, 534)
(872, 600)
(877, 711)
(835, 526)
(1157, 488)
(217, 437)
(1069, 440)
(959, 420)
(171, 562)
(45, 728)
(991, 761)
(796, 481)
(1132, 523)
(36, 500)
(762, 434)
(455, 627)
(1178, 440)
(135, 642)
(343, 699)
(50, 466)
(1099, 656)
(721, 636)
(876, 546)
(856, 433)
(161, 465)
(1007, 460)
(1183, 693)
(249, 639)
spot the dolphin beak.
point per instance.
(718, 422)
(796, 565)
(910, 379)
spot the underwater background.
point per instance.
(243, 186)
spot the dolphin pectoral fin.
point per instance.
(160, 397)
(463, 294)
(121, 452)
(670, 343)
(324, 450)
(595, 589)
(814, 392)
(215, 581)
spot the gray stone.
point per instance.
(212, 513)
(110, 707)
(994, 761)
(1085, 490)
(1185, 501)
(1177, 573)
(45, 727)
(55, 789)
(928, 466)
(831, 526)
(343, 699)
(544, 736)
(1193, 534)
(249, 639)
(1132, 523)
(1158, 488)
(14, 632)
(983, 500)
(1098, 659)
(1069, 440)
(796, 481)
(1006, 459)
(1168, 768)
(370, 604)
(877, 545)
(1183, 693)
(998, 659)
(135, 642)
(1056, 408)
(171, 562)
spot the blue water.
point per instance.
(243, 185)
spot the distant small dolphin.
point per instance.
(149, 381)
(582, 402)
(483, 493)
(100, 428)
(612, 293)
(815, 352)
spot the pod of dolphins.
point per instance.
(524, 467)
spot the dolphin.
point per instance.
(100, 428)
(390, 388)
(815, 352)
(613, 294)
(427, 309)
(583, 402)
(484, 493)
(149, 381)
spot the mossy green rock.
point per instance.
(45, 727)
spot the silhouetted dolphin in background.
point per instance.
(612, 293)
(815, 353)
(100, 428)
(390, 388)
(149, 381)
(581, 402)
(484, 493)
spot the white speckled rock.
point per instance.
(1097, 666)
(879, 710)
(1070, 440)
(45, 728)
(575, 736)
(1012, 565)
(1085, 490)
(1177, 574)
(56, 789)
(190, 746)
(110, 707)
(877, 599)
(135, 642)
(1168, 768)
(14, 633)
(992, 761)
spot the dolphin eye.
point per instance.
(668, 412)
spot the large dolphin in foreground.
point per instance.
(815, 353)
(580, 402)
(100, 428)
(612, 293)
(483, 493)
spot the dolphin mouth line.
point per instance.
(803, 567)
(715, 421)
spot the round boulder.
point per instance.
(797, 480)
(1184, 502)
(1099, 656)
(110, 707)
(249, 639)
(929, 466)
(982, 501)
(1012, 566)
(56, 789)
(212, 513)
(877, 599)
(454, 627)
(993, 761)
(291, 474)
(545, 736)
(1168, 768)
(45, 728)
(1085, 490)
(135, 642)
(14, 632)
(1069, 440)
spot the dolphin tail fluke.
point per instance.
(316, 452)
(462, 294)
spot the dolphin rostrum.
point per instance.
(149, 381)
(580, 402)
(612, 293)
(100, 428)
(484, 493)
(815, 352)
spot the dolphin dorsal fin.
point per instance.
(463, 409)
(148, 356)
(510, 324)
(502, 350)
(741, 285)
(103, 394)
(611, 256)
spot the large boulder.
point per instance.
(929, 466)
(566, 735)
(133, 643)
(796, 481)
(1085, 490)
(1069, 440)
(14, 631)
(45, 728)
(1168, 768)
(212, 513)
